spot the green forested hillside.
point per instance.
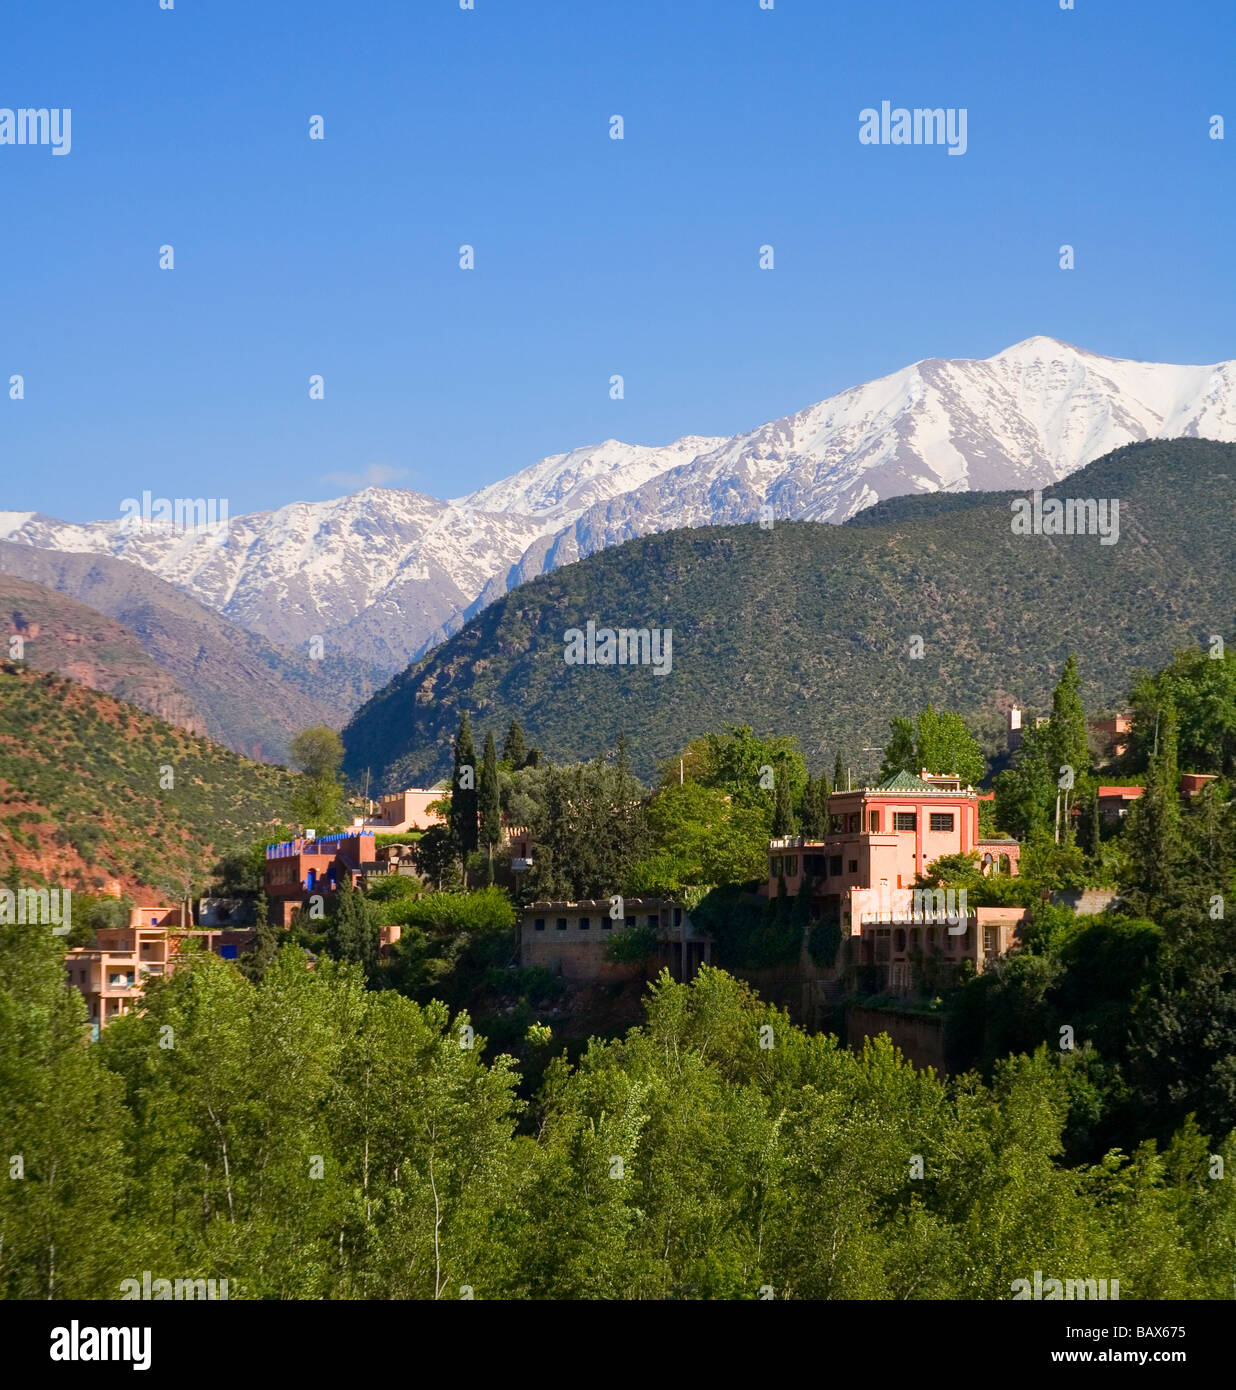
(806, 629)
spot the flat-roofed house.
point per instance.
(862, 874)
(571, 938)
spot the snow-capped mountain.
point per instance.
(1024, 418)
(561, 487)
(372, 574)
(384, 572)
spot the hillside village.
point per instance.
(879, 896)
(550, 978)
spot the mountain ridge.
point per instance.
(806, 628)
(383, 574)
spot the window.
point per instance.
(561, 924)
(653, 920)
(678, 917)
(607, 923)
(941, 820)
(539, 924)
(901, 940)
(585, 924)
(931, 938)
(834, 864)
(853, 866)
(873, 821)
(629, 922)
(905, 820)
(774, 867)
(851, 821)
(791, 865)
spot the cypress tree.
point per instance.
(514, 749)
(815, 808)
(838, 774)
(1068, 745)
(1157, 837)
(783, 810)
(806, 817)
(491, 818)
(350, 935)
(463, 790)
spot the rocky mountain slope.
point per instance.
(244, 692)
(48, 631)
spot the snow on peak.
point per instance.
(382, 571)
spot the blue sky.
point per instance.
(593, 256)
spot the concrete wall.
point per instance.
(574, 959)
(1086, 902)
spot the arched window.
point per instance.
(1006, 864)
(987, 863)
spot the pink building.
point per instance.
(407, 810)
(1114, 802)
(297, 870)
(1113, 733)
(113, 972)
(881, 840)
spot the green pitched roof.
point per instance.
(905, 782)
